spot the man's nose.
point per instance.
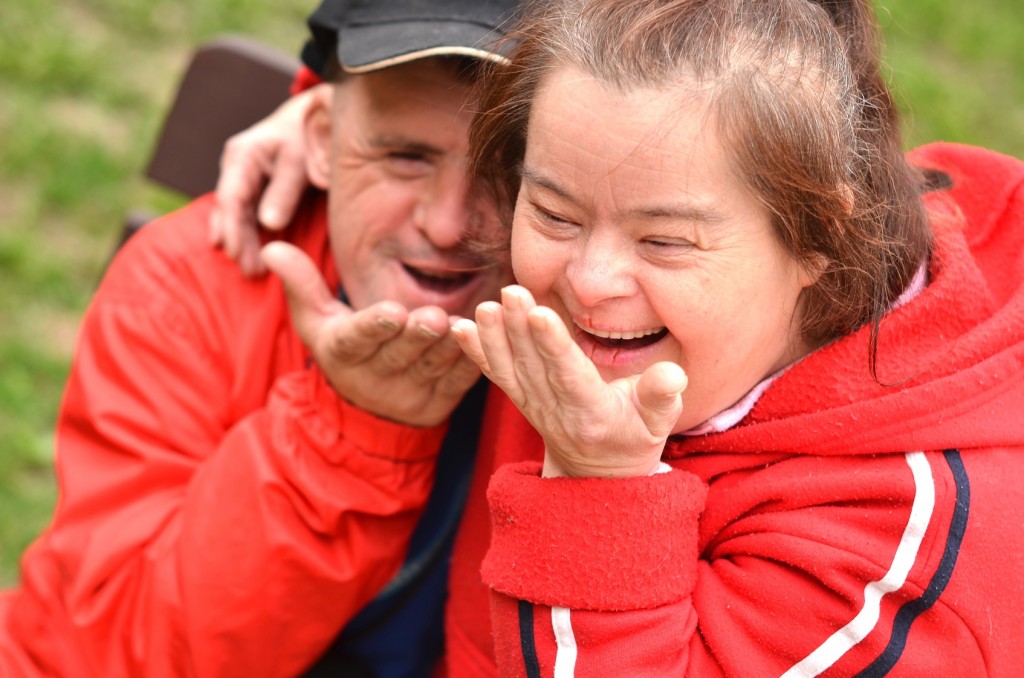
(445, 213)
(601, 269)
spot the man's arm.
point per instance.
(206, 527)
(262, 178)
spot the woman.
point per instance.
(775, 391)
(855, 511)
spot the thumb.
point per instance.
(659, 395)
(309, 299)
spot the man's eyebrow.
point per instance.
(680, 211)
(404, 143)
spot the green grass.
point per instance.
(958, 70)
(84, 85)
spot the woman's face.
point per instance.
(633, 227)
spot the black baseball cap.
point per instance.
(368, 35)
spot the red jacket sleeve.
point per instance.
(798, 567)
(222, 512)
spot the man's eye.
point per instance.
(407, 157)
(408, 165)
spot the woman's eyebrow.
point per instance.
(535, 178)
(681, 211)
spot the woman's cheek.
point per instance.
(532, 258)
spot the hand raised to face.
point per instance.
(590, 428)
(397, 364)
(262, 178)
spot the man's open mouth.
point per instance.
(440, 281)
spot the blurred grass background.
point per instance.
(83, 88)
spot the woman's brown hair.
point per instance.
(797, 93)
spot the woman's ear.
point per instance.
(317, 132)
(812, 268)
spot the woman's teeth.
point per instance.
(626, 340)
(628, 334)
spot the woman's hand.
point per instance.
(590, 428)
(262, 178)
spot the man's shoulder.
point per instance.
(170, 249)
(172, 254)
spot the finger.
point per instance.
(466, 333)
(309, 299)
(236, 219)
(516, 301)
(659, 397)
(288, 182)
(424, 327)
(570, 375)
(529, 365)
(239, 184)
(215, 234)
(497, 351)
(249, 246)
(490, 327)
(358, 337)
(435, 360)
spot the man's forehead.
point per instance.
(405, 109)
(431, 82)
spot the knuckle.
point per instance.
(344, 350)
(391, 361)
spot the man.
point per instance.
(248, 467)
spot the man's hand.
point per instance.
(590, 428)
(262, 178)
(398, 364)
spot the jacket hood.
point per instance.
(950, 362)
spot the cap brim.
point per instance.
(362, 49)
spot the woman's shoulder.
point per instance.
(972, 170)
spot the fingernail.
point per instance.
(426, 331)
(270, 216)
(387, 323)
(511, 298)
(487, 313)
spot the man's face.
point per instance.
(399, 199)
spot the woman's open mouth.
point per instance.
(625, 340)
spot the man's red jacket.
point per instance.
(222, 512)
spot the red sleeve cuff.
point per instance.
(327, 419)
(593, 543)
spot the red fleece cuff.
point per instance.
(593, 543)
